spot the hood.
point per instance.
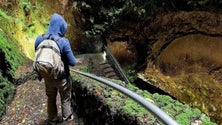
(57, 25)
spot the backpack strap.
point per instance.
(47, 37)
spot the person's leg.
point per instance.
(51, 92)
(64, 87)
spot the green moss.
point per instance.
(24, 22)
(134, 108)
(14, 58)
(12, 52)
(6, 93)
(182, 113)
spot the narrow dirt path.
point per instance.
(29, 104)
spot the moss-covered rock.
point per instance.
(96, 102)
(6, 93)
(11, 55)
(10, 58)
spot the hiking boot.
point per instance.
(55, 121)
(70, 118)
(50, 123)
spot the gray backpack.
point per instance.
(48, 61)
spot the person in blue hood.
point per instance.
(56, 31)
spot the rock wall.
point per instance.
(189, 68)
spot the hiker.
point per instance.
(56, 31)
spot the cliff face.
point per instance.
(179, 52)
(24, 20)
(184, 57)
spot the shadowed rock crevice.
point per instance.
(5, 66)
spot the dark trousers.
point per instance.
(63, 86)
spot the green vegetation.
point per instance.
(101, 16)
(183, 113)
(118, 102)
(6, 93)
(23, 22)
(26, 18)
(104, 17)
(19, 24)
(11, 57)
(12, 52)
(30, 13)
(131, 74)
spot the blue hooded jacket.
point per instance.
(56, 30)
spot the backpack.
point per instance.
(48, 61)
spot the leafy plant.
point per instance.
(100, 16)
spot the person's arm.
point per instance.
(69, 54)
(38, 40)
